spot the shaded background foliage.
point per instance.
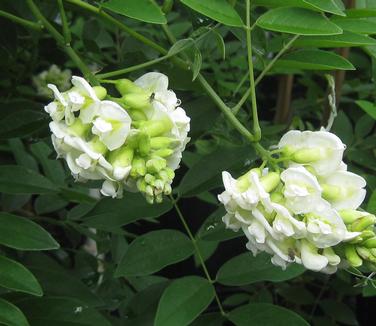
(142, 269)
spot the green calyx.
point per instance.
(163, 142)
(351, 215)
(137, 101)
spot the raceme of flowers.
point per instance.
(308, 213)
(133, 142)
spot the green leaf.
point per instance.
(20, 233)
(265, 314)
(183, 300)
(356, 25)
(21, 123)
(246, 269)
(15, 276)
(61, 311)
(19, 180)
(218, 10)
(52, 168)
(297, 21)
(144, 10)
(197, 62)
(211, 319)
(347, 39)
(153, 251)
(180, 46)
(205, 174)
(339, 312)
(361, 12)
(326, 5)
(313, 60)
(367, 107)
(21, 156)
(213, 229)
(109, 213)
(10, 315)
(49, 203)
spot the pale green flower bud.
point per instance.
(366, 234)
(270, 181)
(138, 101)
(363, 223)
(156, 127)
(277, 197)
(159, 198)
(165, 152)
(100, 91)
(351, 215)
(370, 243)
(163, 142)
(121, 157)
(243, 182)
(141, 185)
(366, 254)
(149, 179)
(155, 164)
(125, 86)
(308, 155)
(137, 115)
(352, 256)
(138, 167)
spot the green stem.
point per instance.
(21, 21)
(64, 21)
(132, 68)
(225, 109)
(198, 252)
(256, 124)
(119, 24)
(237, 107)
(60, 41)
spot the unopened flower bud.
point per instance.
(143, 144)
(270, 181)
(370, 243)
(243, 182)
(164, 152)
(352, 256)
(137, 115)
(163, 142)
(155, 164)
(308, 155)
(331, 193)
(156, 127)
(100, 91)
(138, 101)
(363, 223)
(141, 185)
(121, 157)
(366, 254)
(138, 167)
(167, 189)
(125, 86)
(366, 234)
(350, 215)
(159, 198)
(149, 179)
(277, 197)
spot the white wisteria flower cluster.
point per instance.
(133, 142)
(53, 75)
(308, 212)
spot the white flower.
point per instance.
(344, 190)
(112, 125)
(311, 259)
(325, 228)
(157, 84)
(302, 190)
(320, 149)
(285, 224)
(81, 98)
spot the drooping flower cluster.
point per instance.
(54, 75)
(132, 142)
(307, 213)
